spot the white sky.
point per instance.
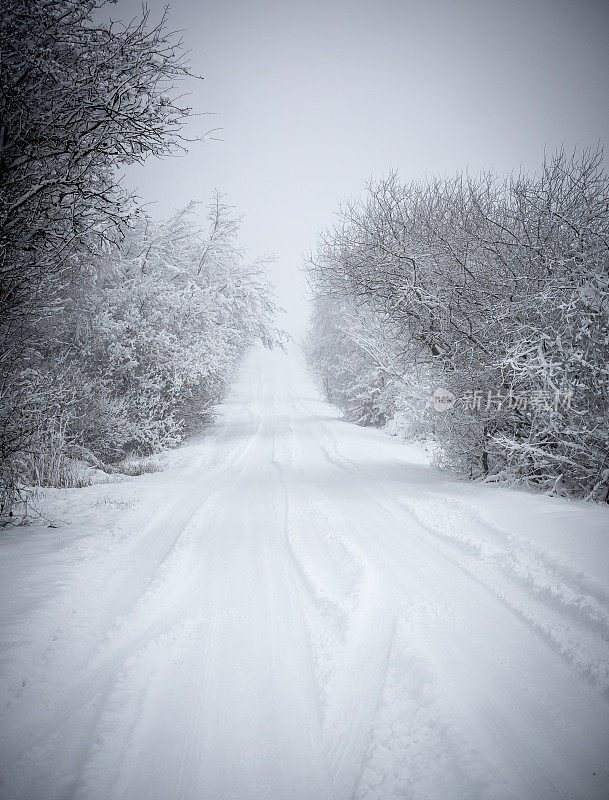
(314, 98)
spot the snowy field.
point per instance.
(296, 608)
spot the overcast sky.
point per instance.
(313, 98)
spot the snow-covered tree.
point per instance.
(117, 332)
(497, 291)
(149, 339)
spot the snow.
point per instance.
(296, 607)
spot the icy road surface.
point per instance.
(299, 609)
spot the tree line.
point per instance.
(118, 332)
(472, 313)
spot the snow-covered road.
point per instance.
(301, 608)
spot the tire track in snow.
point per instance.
(555, 606)
(134, 629)
(571, 622)
(396, 547)
(355, 678)
(355, 689)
